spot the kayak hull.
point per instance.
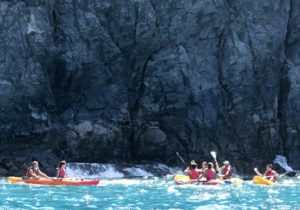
(262, 181)
(214, 182)
(182, 180)
(53, 182)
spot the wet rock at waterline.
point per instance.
(128, 81)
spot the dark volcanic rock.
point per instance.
(136, 80)
(3, 172)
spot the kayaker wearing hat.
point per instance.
(210, 173)
(192, 171)
(226, 170)
(34, 171)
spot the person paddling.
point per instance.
(34, 171)
(203, 167)
(192, 171)
(226, 170)
(210, 172)
(269, 174)
(203, 171)
(61, 169)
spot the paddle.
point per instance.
(181, 159)
(282, 161)
(214, 155)
(285, 174)
(291, 173)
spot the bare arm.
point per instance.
(187, 170)
(257, 172)
(31, 174)
(41, 174)
(228, 171)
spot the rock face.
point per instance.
(136, 80)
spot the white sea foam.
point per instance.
(133, 171)
(173, 190)
(111, 172)
(213, 206)
(125, 182)
(93, 170)
(96, 170)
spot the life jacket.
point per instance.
(226, 169)
(270, 174)
(34, 171)
(194, 174)
(210, 174)
(61, 172)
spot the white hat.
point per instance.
(226, 162)
(193, 162)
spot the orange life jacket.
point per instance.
(270, 174)
(210, 174)
(226, 169)
(194, 174)
(61, 172)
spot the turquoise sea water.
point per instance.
(150, 193)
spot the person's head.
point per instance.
(210, 165)
(35, 164)
(62, 164)
(269, 167)
(193, 164)
(204, 164)
(226, 163)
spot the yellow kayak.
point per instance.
(182, 179)
(43, 181)
(262, 181)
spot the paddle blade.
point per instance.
(291, 173)
(213, 154)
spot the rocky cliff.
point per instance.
(136, 80)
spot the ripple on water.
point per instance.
(150, 194)
(213, 206)
(125, 182)
(173, 190)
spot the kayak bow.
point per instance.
(262, 181)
